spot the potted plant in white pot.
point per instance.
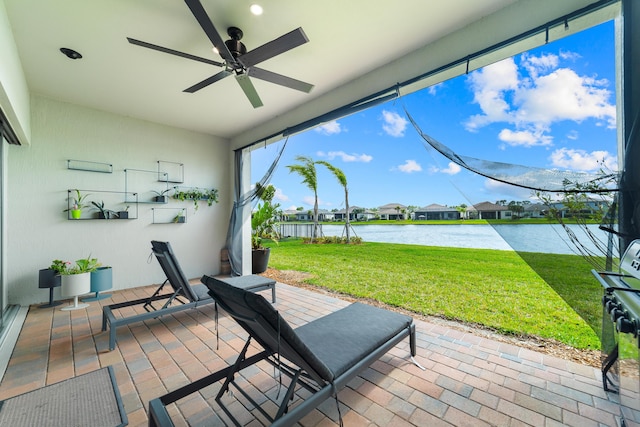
(264, 225)
(76, 279)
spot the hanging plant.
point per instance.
(196, 195)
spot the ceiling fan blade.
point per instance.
(279, 79)
(206, 82)
(249, 90)
(275, 47)
(207, 26)
(173, 52)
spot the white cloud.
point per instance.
(583, 161)
(489, 85)
(502, 190)
(280, 196)
(534, 101)
(310, 200)
(564, 95)
(329, 128)
(537, 64)
(395, 125)
(524, 138)
(451, 169)
(573, 135)
(434, 89)
(365, 158)
(410, 166)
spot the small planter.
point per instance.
(123, 214)
(49, 279)
(101, 280)
(160, 199)
(76, 213)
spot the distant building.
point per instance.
(436, 212)
(325, 215)
(488, 210)
(356, 213)
(392, 211)
(535, 210)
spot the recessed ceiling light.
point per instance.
(72, 54)
(256, 9)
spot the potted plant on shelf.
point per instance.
(197, 194)
(161, 196)
(77, 205)
(264, 225)
(103, 213)
(124, 214)
(180, 218)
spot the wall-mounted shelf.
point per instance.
(169, 215)
(173, 172)
(142, 182)
(83, 165)
(114, 208)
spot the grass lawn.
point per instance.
(545, 295)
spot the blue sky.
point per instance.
(552, 107)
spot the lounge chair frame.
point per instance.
(300, 372)
(189, 296)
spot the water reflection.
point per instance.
(545, 238)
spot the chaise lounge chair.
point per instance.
(321, 356)
(187, 295)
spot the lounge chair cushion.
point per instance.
(201, 292)
(363, 328)
(329, 345)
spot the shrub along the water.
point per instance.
(545, 295)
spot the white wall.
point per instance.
(38, 179)
(14, 94)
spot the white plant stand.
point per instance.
(75, 285)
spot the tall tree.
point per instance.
(342, 179)
(307, 170)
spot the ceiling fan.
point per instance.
(236, 58)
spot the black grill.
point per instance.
(620, 330)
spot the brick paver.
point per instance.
(470, 380)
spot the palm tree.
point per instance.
(342, 179)
(307, 170)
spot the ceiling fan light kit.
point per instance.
(237, 60)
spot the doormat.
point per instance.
(91, 399)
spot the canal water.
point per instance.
(545, 238)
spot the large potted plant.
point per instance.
(264, 225)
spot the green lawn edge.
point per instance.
(532, 294)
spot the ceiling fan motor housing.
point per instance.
(236, 47)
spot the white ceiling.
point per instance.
(348, 39)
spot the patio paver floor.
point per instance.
(469, 380)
